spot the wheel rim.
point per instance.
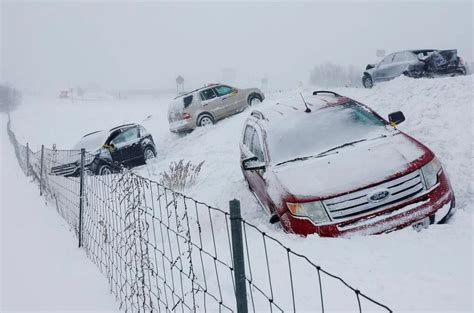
(149, 154)
(255, 101)
(206, 121)
(105, 170)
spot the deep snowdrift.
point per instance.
(406, 270)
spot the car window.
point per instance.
(399, 57)
(409, 56)
(249, 130)
(346, 123)
(223, 90)
(256, 146)
(208, 94)
(187, 101)
(125, 136)
(403, 57)
(387, 60)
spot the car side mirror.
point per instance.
(396, 117)
(252, 164)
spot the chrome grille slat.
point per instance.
(403, 186)
(352, 204)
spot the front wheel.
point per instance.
(104, 169)
(367, 81)
(149, 153)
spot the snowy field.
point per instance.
(407, 270)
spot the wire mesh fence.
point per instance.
(163, 251)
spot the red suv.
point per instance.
(332, 166)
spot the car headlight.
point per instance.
(314, 210)
(430, 172)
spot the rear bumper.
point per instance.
(436, 203)
(182, 126)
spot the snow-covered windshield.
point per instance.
(322, 130)
(92, 141)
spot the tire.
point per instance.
(254, 99)
(104, 169)
(205, 120)
(367, 81)
(149, 153)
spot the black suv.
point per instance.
(414, 63)
(128, 145)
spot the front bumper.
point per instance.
(436, 203)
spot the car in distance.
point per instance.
(128, 145)
(416, 64)
(205, 106)
(338, 168)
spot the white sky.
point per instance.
(59, 44)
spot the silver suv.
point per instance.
(207, 105)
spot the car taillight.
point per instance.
(186, 116)
(461, 61)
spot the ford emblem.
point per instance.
(378, 195)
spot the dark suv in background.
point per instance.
(128, 145)
(414, 63)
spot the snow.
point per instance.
(407, 270)
(41, 266)
(353, 167)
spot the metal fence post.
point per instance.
(27, 160)
(41, 170)
(238, 256)
(81, 195)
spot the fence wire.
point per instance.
(162, 251)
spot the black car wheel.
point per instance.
(149, 153)
(254, 99)
(104, 169)
(367, 81)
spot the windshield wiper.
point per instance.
(322, 154)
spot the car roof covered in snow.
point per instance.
(280, 111)
(122, 126)
(111, 130)
(422, 50)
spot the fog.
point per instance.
(146, 45)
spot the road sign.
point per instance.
(179, 80)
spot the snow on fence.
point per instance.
(163, 251)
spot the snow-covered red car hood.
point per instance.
(351, 168)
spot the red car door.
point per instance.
(253, 147)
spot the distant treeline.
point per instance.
(334, 75)
(10, 98)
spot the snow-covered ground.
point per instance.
(407, 270)
(41, 267)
